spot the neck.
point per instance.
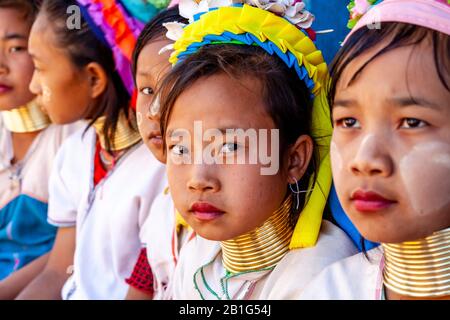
(26, 119)
(263, 247)
(125, 136)
(419, 269)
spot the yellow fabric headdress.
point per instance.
(278, 35)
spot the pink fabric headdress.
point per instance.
(432, 14)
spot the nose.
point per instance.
(3, 65)
(35, 87)
(372, 158)
(202, 179)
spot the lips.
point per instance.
(4, 88)
(205, 211)
(369, 201)
(155, 138)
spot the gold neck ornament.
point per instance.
(421, 268)
(124, 137)
(26, 119)
(263, 247)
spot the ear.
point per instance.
(299, 157)
(98, 79)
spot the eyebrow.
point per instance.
(344, 103)
(14, 36)
(143, 73)
(413, 101)
(397, 101)
(223, 130)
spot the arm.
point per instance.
(136, 294)
(141, 279)
(48, 284)
(12, 285)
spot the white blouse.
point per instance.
(200, 273)
(107, 218)
(358, 277)
(163, 240)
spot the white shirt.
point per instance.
(24, 232)
(107, 218)
(163, 240)
(34, 170)
(358, 277)
(200, 273)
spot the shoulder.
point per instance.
(355, 277)
(160, 221)
(78, 139)
(300, 266)
(332, 245)
(141, 159)
(55, 135)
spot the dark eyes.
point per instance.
(412, 123)
(347, 123)
(406, 123)
(229, 147)
(147, 91)
(17, 49)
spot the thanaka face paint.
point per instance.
(336, 158)
(394, 142)
(425, 171)
(46, 94)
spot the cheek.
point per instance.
(336, 160)
(139, 118)
(46, 94)
(247, 189)
(425, 171)
(177, 176)
(140, 107)
(23, 68)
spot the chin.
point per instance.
(209, 235)
(394, 235)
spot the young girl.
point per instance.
(246, 77)
(391, 153)
(161, 241)
(28, 144)
(104, 179)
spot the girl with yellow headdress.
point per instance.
(246, 128)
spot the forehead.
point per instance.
(13, 21)
(42, 43)
(150, 61)
(408, 70)
(220, 101)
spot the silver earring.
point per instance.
(297, 192)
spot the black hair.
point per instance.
(287, 99)
(154, 29)
(396, 35)
(83, 47)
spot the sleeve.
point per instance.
(62, 210)
(142, 277)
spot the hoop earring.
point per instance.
(297, 192)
